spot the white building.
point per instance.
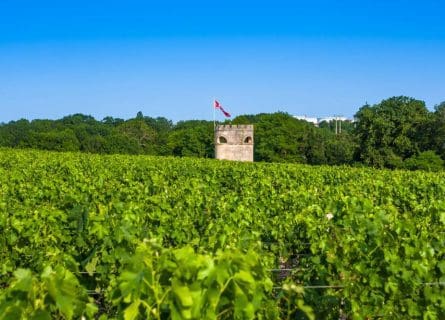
(308, 119)
(317, 121)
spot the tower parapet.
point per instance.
(234, 142)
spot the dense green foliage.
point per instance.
(392, 131)
(427, 160)
(384, 135)
(148, 237)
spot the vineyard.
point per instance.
(137, 237)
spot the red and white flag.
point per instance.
(219, 106)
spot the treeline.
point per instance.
(399, 132)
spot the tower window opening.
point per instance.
(222, 140)
(248, 140)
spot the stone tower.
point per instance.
(234, 142)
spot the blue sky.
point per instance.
(172, 58)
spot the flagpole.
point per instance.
(214, 115)
(214, 128)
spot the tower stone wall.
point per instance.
(234, 142)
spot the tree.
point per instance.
(163, 128)
(279, 137)
(64, 140)
(116, 142)
(112, 121)
(193, 138)
(428, 161)
(438, 134)
(89, 132)
(315, 150)
(16, 134)
(340, 149)
(94, 144)
(138, 131)
(389, 132)
(77, 119)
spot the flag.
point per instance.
(219, 106)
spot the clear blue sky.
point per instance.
(171, 58)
